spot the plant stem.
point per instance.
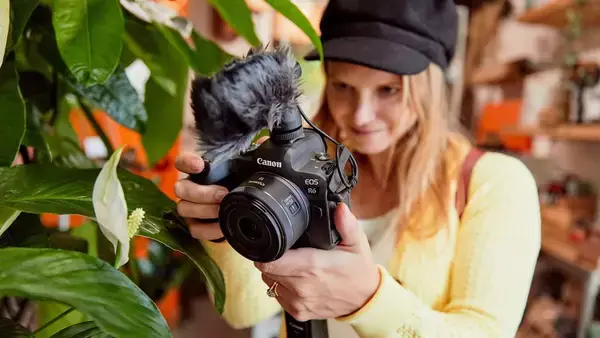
(52, 321)
(117, 254)
(88, 113)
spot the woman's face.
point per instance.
(366, 104)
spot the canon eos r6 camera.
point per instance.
(282, 195)
(283, 192)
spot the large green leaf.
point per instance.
(165, 108)
(288, 9)
(46, 188)
(12, 117)
(89, 35)
(165, 115)
(87, 283)
(237, 14)
(10, 329)
(165, 90)
(7, 217)
(145, 42)
(20, 12)
(4, 27)
(82, 330)
(205, 59)
(117, 98)
(47, 311)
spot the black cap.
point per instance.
(398, 36)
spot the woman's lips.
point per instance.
(364, 132)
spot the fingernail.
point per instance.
(197, 165)
(220, 194)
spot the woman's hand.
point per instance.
(198, 201)
(321, 284)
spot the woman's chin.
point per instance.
(370, 144)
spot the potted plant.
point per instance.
(61, 55)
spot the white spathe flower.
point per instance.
(110, 207)
(153, 11)
(4, 24)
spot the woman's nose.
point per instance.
(365, 111)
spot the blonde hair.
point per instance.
(425, 157)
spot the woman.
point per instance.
(409, 264)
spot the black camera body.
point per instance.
(282, 195)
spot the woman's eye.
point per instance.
(340, 86)
(388, 90)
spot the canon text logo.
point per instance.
(274, 164)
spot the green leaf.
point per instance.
(34, 137)
(27, 231)
(4, 27)
(10, 329)
(165, 89)
(67, 152)
(165, 116)
(165, 108)
(212, 57)
(12, 118)
(237, 14)
(86, 283)
(45, 188)
(89, 232)
(62, 124)
(207, 57)
(47, 311)
(89, 35)
(20, 13)
(145, 42)
(7, 217)
(288, 9)
(117, 98)
(82, 330)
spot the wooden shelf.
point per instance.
(586, 132)
(496, 74)
(503, 73)
(555, 240)
(555, 13)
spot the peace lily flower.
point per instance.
(153, 11)
(110, 208)
(134, 221)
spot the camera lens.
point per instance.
(249, 229)
(264, 216)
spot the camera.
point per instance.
(282, 193)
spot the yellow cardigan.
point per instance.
(474, 285)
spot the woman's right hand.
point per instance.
(198, 201)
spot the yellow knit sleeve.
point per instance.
(246, 300)
(498, 243)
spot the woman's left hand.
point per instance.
(322, 284)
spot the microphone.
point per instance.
(248, 95)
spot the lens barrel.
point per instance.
(264, 216)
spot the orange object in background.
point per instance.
(499, 117)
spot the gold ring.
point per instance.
(272, 291)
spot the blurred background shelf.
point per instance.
(568, 132)
(556, 13)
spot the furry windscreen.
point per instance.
(246, 96)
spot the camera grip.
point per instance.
(212, 174)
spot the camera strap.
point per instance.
(462, 189)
